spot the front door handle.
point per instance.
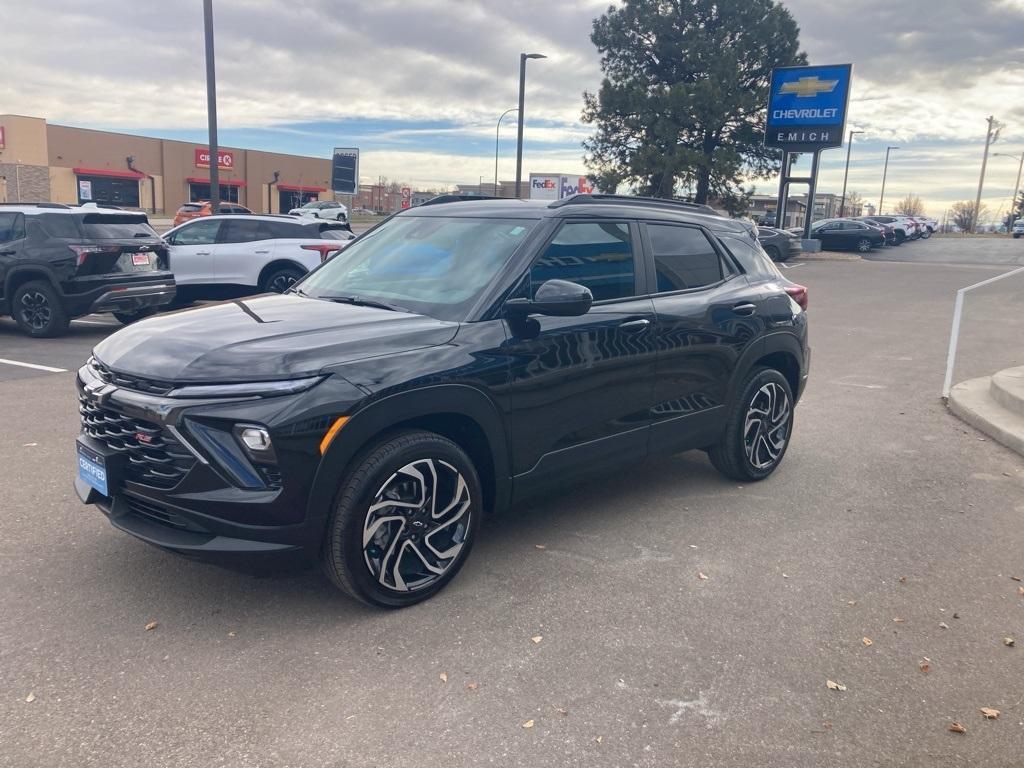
(261, 251)
(745, 309)
(202, 253)
(635, 326)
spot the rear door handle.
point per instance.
(261, 251)
(202, 253)
(634, 326)
(745, 309)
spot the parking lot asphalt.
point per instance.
(956, 249)
(880, 556)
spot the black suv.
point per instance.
(452, 360)
(58, 262)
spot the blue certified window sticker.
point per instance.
(808, 96)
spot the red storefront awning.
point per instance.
(223, 182)
(300, 188)
(108, 172)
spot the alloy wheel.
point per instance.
(864, 245)
(416, 525)
(282, 283)
(35, 310)
(766, 428)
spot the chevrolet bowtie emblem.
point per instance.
(807, 87)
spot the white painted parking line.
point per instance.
(37, 367)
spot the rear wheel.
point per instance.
(37, 310)
(280, 280)
(926, 234)
(404, 520)
(773, 252)
(758, 429)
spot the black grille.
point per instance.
(158, 513)
(134, 383)
(155, 457)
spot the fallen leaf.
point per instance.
(599, 739)
(561, 711)
(1020, 591)
(956, 615)
(943, 625)
(31, 697)
(925, 667)
(1009, 641)
(851, 602)
(444, 677)
(898, 620)
(785, 575)
(30, 445)
(471, 686)
(536, 639)
(701, 576)
(1017, 578)
(867, 641)
(528, 724)
(955, 727)
(903, 579)
(834, 686)
(151, 626)
(540, 546)
(232, 634)
(989, 713)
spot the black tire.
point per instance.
(37, 309)
(900, 238)
(127, 318)
(926, 234)
(773, 252)
(375, 472)
(731, 456)
(281, 280)
(864, 245)
(1015, 236)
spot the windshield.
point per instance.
(430, 265)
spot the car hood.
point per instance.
(263, 338)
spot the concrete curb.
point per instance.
(826, 256)
(993, 405)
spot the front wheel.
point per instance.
(926, 234)
(404, 520)
(773, 253)
(37, 310)
(758, 429)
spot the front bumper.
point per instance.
(174, 491)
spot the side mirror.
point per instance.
(557, 298)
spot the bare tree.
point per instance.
(963, 214)
(854, 204)
(910, 205)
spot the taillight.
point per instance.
(325, 251)
(799, 294)
(82, 252)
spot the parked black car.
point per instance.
(847, 234)
(58, 262)
(454, 359)
(779, 244)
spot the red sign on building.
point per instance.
(225, 159)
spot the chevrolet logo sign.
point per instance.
(808, 87)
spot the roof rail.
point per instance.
(460, 199)
(582, 199)
(60, 206)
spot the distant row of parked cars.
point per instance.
(317, 209)
(58, 262)
(858, 233)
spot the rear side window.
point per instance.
(59, 225)
(239, 231)
(12, 227)
(190, 208)
(683, 258)
(281, 229)
(596, 255)
(116, 226)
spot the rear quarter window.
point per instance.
(752, 258)
(60, 226)
(116, 226)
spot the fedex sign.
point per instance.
(545, 186)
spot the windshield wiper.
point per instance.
(359, 301)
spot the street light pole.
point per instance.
(990, 136)
(1016, 187)
(211, 107)
(846, 173)
(522, 97)
(885, 172)
(497, 132)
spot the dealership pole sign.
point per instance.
(807, 107)
(345, 171)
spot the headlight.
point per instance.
(247, 389)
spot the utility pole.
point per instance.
(497, 135)
(990, 136)
(211, 108)
(846, 173)
(885, 173)
(522, 99)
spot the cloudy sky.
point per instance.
(419, 84)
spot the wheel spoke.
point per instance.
(765, 430)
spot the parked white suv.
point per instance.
(322, 209)
(214, 255)
(1018, 228)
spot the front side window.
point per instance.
(597, 255)
(683, 258)
(433, 265)
(202, 232)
